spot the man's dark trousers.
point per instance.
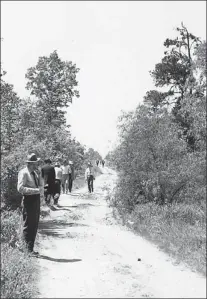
(49, 192)
(70, 182)
(31, 215)
(57, 190)
(90, 183)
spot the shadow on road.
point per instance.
(85, 195)
(57, 209)
(67, 206)
(77, 194)
(44, 257)
(81, 205)
(77, 224)
(57, 228)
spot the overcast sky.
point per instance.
(114, 43)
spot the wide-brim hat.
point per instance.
(71, 162)
(57, 164)
(32, 158)
(89, 164)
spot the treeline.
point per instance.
(161, 156)
(38, 123)
(34, 124)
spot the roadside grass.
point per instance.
(18, 270)
(177, 229)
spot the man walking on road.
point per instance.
(89, 177)
(65, 178)
(58, 181)
(48, 175)
(29, 185)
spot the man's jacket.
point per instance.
(48, 174)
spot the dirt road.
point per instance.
(84, 253)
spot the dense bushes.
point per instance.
(157, 163)
(161, 157)
(161, 154)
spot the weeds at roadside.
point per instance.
(178, 229)
(18, 270)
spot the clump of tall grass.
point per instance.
(179, 229)
(18, 270)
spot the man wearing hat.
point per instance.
(48, 175)
(29, 185)
(71, 176)
(89, 177)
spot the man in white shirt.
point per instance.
(66, 169)
(58, 181)
(89, 177)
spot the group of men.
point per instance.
(33, 181)
(101, 162)
(55, 177)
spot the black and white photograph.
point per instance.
(103, 149)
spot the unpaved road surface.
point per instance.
(84, 253)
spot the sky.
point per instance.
(114, 43)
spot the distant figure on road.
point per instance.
(71, 176)
(89, 177)
(97, 162)
(103, 162)
(48, 175)
(29, 185)
(58, 181)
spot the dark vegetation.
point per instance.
(161, 156)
